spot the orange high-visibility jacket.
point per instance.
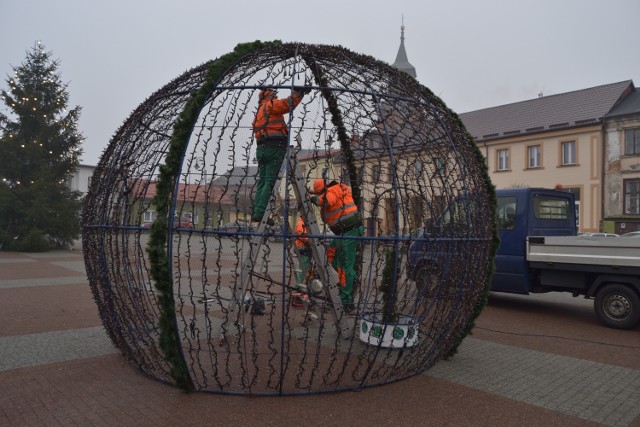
(269, 120)
(337, 205)
(301, 228)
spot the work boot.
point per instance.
(299, 299)
(255, 218)
(349, 310)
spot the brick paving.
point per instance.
(57, 367)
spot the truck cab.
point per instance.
(520, 212)
(523, 212)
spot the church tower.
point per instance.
(402, 62)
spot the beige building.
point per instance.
(556, 140)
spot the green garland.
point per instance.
(345, 146)
(338, 122)
(159, 235)
(495, 240)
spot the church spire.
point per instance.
(402, 62)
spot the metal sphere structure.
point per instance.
(194, 294)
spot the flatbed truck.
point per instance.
(539, 252)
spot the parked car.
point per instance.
(631, 234)
(182, 223)
(236, 226)
(599, 235)
(177, 223)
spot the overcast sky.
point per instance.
(473, 54)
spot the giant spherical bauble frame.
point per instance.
(167, 230)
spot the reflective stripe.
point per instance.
(262, 130)
(257, 129)
(327, 215)
(343, 218)
(343, 207)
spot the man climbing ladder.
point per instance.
(272, 136)
(328, 276)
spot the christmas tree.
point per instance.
(39, 152)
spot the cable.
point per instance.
(558, 337)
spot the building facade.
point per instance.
(586, 142)
(621, 195)
(81, 179)
(557, 141)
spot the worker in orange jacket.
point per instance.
(271, 133)
(340, 213)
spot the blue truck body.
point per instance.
(539, 252)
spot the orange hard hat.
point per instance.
(318, 186)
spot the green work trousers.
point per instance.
(269, 162)
(305, 263)
(344, 261)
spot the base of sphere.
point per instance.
(400, 334)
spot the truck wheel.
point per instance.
(617, 306)
(427, 279)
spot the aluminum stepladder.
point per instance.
(328, 276)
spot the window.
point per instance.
(551, 208)
(345, 176)
(503, 160)
(457, 217)
(632, 196)
(441, 166)
(416, 211)
(390, 216)
(506, 213)
(569, 153)
(417, 168)
(149, 216)
(377, 172)
(533, 156)
(632, 141)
